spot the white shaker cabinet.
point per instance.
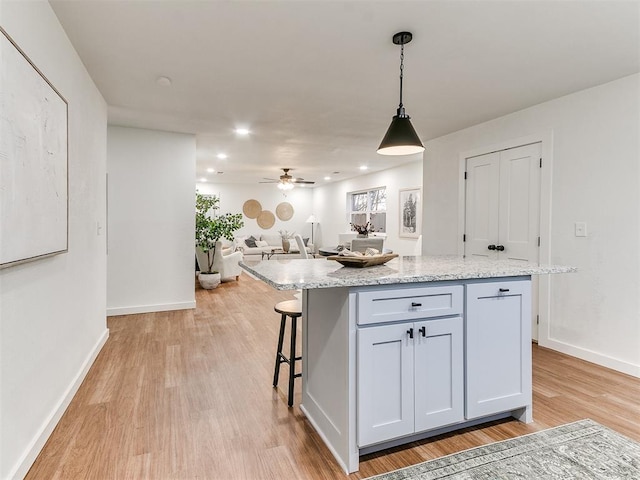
(498, 348)
(439, 373)
(385, 383)
(410, 378)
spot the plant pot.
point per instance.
(286, 245)
(209, 281)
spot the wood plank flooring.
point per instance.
(187, 394)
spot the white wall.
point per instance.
(52, 311)
(233, 196)
(595, 174)
(151, 220)
(330, 206)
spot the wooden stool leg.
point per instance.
(276, 373)
(292, 358)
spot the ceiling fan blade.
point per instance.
(269, 180)
(300, 180)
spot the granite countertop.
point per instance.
(322, 273)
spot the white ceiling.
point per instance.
(316, 82)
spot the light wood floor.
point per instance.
(187, 394)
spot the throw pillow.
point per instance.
(305, 240)
(250, 242)
(261, 243)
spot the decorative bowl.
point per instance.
(360, 262)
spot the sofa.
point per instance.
(264, 244)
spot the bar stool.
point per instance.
(292, 309)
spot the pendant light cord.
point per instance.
(401, 72)
(401, 113)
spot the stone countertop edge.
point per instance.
(321, 273)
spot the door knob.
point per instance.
(500, 248)
(491, 247)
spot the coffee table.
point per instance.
(271, 253)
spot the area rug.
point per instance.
(579, 450)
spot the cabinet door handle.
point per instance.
(504, 289)
(491, 247)
(423, 331)
(415, 304)
(500, 248)
(410, 332)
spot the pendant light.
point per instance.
(401, 138)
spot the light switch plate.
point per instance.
(581, 229)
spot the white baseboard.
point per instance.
(31, 453)
(591, 356)
(163, 307)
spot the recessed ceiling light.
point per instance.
(211, 170)
(242, 131)
(327, 178)
(363, 167)
(221, 156)
(203, 179)
(163, 81)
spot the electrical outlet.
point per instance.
(581, 229)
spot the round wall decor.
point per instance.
(266, 219)
(251, 208)
(284, 211)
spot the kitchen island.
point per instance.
(413, 348)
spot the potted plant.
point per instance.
(210, 228)
(363, 230)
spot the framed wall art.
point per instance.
(34, 198)
(410, 212)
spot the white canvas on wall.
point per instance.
(33, 161)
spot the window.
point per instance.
(369, 206)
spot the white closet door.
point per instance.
(520, 212)
(519, 218)
(482, 205)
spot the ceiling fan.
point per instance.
(286, 181)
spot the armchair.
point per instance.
(226, 262)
